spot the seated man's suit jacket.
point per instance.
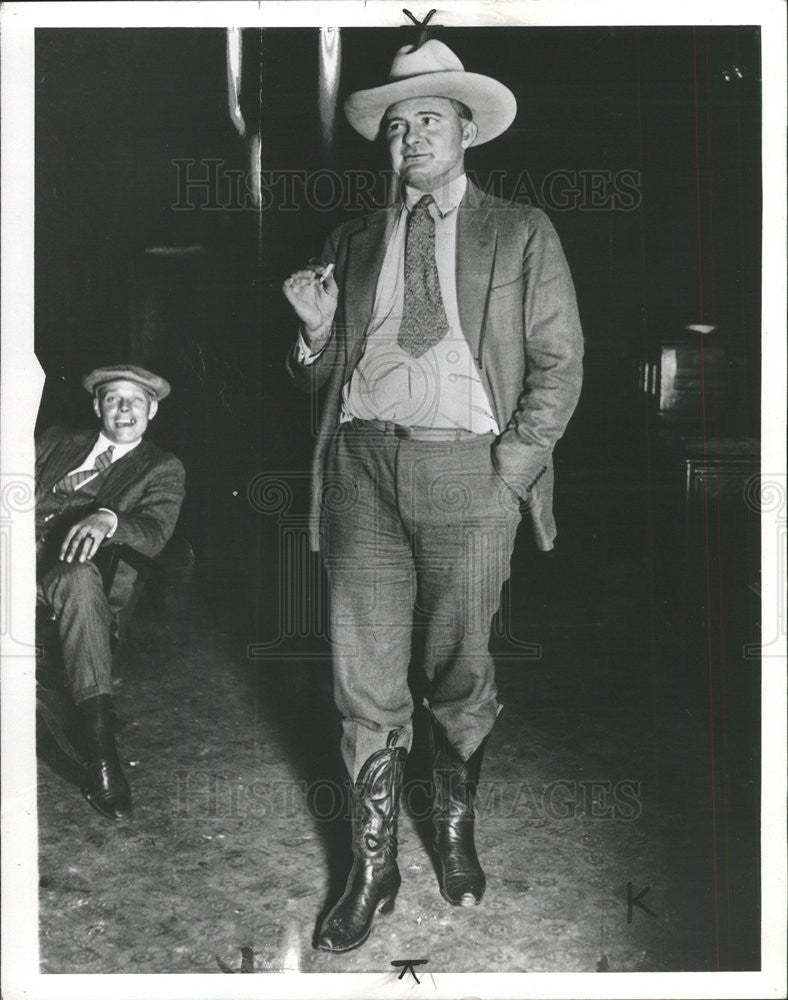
(145, 488)
(518, 313)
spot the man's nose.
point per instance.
(124, 405)
(410, 136)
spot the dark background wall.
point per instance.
(194, 293)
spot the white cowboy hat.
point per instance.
(433, 70)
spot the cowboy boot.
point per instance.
(374, 878)
(105, 786)
(462, 880)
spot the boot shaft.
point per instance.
(455, 780)
(375, 806)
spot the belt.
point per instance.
(417, 433)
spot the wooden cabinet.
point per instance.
(710, 526)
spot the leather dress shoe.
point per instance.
(105, 786)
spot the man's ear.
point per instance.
(153, 406)
(96, 407)
(469, 132)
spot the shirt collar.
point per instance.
(446, 198)
(118, 449)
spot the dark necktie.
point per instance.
(72, 480)
(424, 321)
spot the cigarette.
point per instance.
(326, 272)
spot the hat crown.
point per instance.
(155, 384)
(431, 57)
(433, 70)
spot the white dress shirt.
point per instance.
(442, 388)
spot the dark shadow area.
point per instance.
(56, 736)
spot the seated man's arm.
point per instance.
(146, 526)
(149, 525)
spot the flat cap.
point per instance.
(154, 384)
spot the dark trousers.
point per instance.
(74, 592)
(413, 524)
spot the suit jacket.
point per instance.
(518, 313)
(145, 488)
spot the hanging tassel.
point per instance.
(328, 83)
(234, 50)
(255, 169)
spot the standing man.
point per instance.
(445, 336)
(94, 490)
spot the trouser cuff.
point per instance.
(466, 735)
(91, 692)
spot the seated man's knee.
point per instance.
(79, 581)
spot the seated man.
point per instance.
(93, 490)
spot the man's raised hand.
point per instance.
(313, 293)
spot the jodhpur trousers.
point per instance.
(418, 530)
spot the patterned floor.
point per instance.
(594, 821)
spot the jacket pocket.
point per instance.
(505, 290)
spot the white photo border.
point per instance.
(22, 382)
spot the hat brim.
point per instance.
(492, 104)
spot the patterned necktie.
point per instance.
(72, 480)
(424, 321)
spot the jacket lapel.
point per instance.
(365, 253)
(126, 470)
(476, 245)
(66, 456)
